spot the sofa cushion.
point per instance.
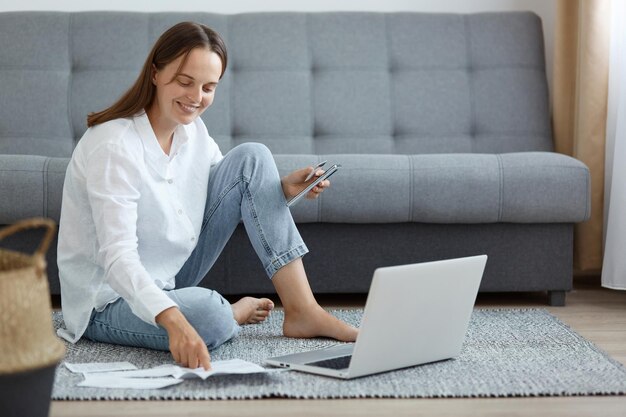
(532, 187)
(35, 78)
(526, 187)
(313, 83)
(34, 184)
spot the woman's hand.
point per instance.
(294, 183)
(186, 345)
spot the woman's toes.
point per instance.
(251, 310)
(265, 304)
(261, 315)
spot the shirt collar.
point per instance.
(180, 138)
(151, 144)
(155, 156)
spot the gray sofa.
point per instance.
(441, 123)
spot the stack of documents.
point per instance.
(126, 375)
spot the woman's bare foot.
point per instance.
(314, 321)
(251, 310)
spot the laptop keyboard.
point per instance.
(342, 362)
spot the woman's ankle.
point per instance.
(301, 308)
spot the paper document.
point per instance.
(103, 381)
(110, 376)
(232, 366)
(99, 367)
(156, 372)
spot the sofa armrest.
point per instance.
(30, 186)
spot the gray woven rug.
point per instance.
(506, 353)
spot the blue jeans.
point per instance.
(246, 186)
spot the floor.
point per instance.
(596, 313)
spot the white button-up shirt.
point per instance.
(130, 217)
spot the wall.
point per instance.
(546, 9)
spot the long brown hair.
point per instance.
(178, 40)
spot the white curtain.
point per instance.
(614, 262)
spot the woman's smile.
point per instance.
(187, 108)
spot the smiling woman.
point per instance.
(185, 88)
(173, 47)
(149, 202)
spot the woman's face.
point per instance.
(181, 98)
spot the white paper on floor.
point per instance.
(103, 381)
(113, 375)
(99, 367)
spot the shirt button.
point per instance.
(180, 212)
(170, 181)
(193, 238)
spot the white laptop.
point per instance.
(414, 314)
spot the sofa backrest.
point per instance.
(302, 83)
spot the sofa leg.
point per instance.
(556, 298)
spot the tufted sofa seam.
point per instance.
(70, 76)
(45, 186)
(390, 74)
(231, 90)
(500, 187)
(470, 81)
(411, 188)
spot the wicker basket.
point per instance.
(27, 339)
